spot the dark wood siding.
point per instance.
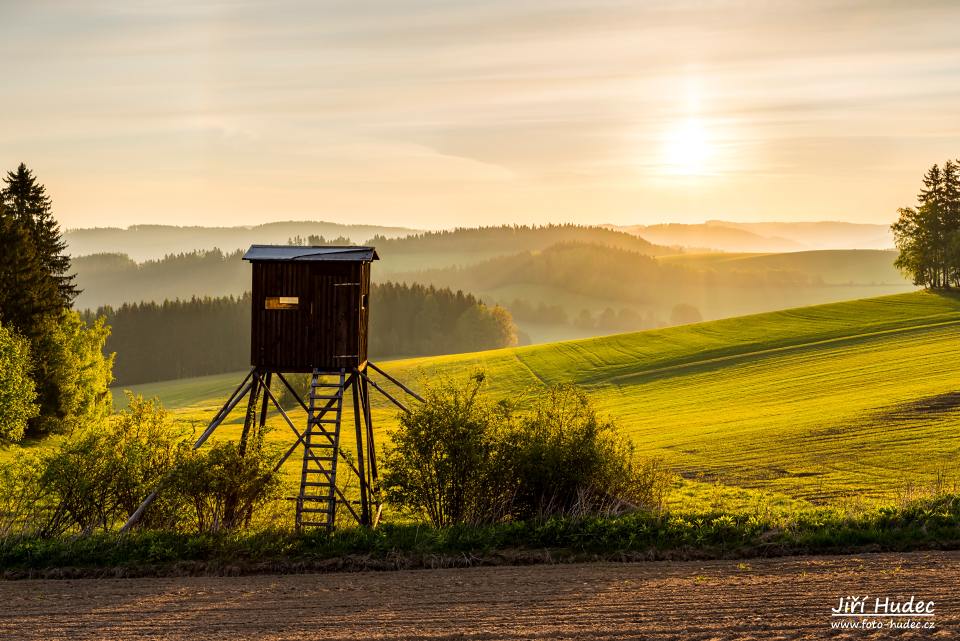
(327, 331)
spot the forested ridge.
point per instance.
(209, 335)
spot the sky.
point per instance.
(443, 113)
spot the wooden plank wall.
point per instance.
(328, 322)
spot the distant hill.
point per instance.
(466, 246)
(642, 290)
(150, 242)
(116, 278)
(821, 235)
(712, 238)
(831, 267)
(727, 236)
(564, 290)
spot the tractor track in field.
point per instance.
(787, 598)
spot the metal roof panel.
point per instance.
(300, 253)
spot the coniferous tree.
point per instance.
(28, 294)
(69, 368)
(928, 236)
(28, 203)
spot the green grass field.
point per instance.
(847, 399)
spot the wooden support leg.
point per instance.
(251, 417)
(364, 505)
(371, 449)
(261, 426)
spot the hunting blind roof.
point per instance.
(297, 253)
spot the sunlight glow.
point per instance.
(687, 148)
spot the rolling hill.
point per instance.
(152, 242)
(851, 399)
(729, 236)
(829, 266)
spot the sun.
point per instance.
(687, 149)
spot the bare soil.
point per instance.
(787, 598)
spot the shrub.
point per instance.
(567, 459)
(300, 384)
(17, 391)
(461, 459)
(444, 458)
(222, 488)
(99, 476)
(96, 478)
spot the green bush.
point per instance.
(459, 458)
(98, 476)
(444, 458)
(221, 488)
(17, 391)
(567, 459)
(300, 384)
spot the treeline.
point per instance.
(603, 272)
(114, 279)
(506, 239)
(200, 336)
(928, 235)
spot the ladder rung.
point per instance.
(322, 445)
(316, 385)
(325, 397)
(308, 497)
(324, 421)
(313, 470)
(313, 524)
(320, 458)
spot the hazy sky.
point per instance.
(442, 113)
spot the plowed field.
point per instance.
(757, 599)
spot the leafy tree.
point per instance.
(77, 372)
(17, 391)
(684, 314)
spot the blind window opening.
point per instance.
(282, 302)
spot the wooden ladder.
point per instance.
(317, 502)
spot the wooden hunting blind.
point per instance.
(310, 307)
(310, 314)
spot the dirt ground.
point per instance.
(788, 598)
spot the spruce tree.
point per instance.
(928, 236)
(71, 373)
(28, 293)
(27, 202)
